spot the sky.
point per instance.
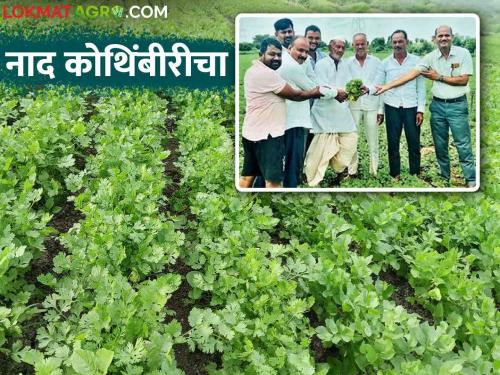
(334, 25)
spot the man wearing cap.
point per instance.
(335, 134)
(450, 68)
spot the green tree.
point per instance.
(378, 44)
(458, 40)
(470, 44)
(246, 46)
(420, 47)
(257, 39)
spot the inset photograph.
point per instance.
(348, 103)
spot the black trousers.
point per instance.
(309, 138)
(398, 119)
(295, 141)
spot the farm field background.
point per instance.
(125, 248)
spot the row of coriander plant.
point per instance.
(255, 318)
(106, 312)
(40, 136)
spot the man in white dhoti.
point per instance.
(335, 133)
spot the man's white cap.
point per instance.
(339, 37)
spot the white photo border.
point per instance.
(360, 189)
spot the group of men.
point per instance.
(298, 119)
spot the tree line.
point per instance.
(380, 44)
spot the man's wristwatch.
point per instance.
(441, 78)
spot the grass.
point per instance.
(490, 45)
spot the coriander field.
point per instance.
(125, 248)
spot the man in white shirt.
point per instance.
(450, 68)
(335, 134)
(364, 67)
(404, 106)
(295, 71)
(265, 117)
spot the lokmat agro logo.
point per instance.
(85, 11)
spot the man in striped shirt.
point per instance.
(404, 106)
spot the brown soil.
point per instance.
(402, 291)
(64, 220)
(61, 222)
(18, 114)
(320, 353)
(90, 102)
(79, 162)
(9, 367)
(496, 299)
(276, 238)
(178, 302)
(173, 190)
(192, 363)
(171, 172)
